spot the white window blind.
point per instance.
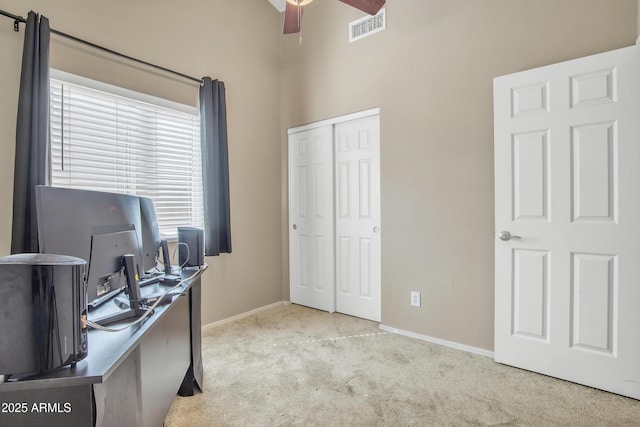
(102, 140)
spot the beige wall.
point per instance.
(235, 41)
(431, 74)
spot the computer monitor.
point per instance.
(70, 221)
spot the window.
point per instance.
(107, 138)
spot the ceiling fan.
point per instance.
(293, 11)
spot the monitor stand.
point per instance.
(132, 307)
(166, 259)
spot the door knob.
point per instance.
(295, 227)
(376, 229)
(506, 236)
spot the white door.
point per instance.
(567, 175)
(311, 219)
(357, 195)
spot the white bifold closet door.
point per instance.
(334, 215)
(311, 219)
(357, 200)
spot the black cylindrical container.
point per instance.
(43, 311)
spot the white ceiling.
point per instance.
(278, 4)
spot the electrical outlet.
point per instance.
(415, 299)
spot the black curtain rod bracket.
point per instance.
(17, 20)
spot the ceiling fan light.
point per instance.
(301, 3)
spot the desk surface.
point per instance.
(106, 350)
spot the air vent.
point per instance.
(368, 25)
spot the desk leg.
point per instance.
(195, 374)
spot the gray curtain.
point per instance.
(215, 167)
(32, 134)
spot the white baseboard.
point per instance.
(242, 315)
(457, 346)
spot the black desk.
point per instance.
(129, 378)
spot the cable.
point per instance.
(155, 267)
(186, 260)
(147, 313)
(173, 255)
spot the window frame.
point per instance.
(196, 205)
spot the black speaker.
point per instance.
(43, 311)
(190, 247)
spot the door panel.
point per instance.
(567, 168)
(358, 217)
(311, 223)
(530, 293)
(530, 174)
(593, 293)
(594, 172)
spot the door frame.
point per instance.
(310, 126)
(335, 120)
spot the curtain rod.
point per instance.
(19, 19)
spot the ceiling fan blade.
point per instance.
(292, 19)
(368, 6)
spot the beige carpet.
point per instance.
(292, 365)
